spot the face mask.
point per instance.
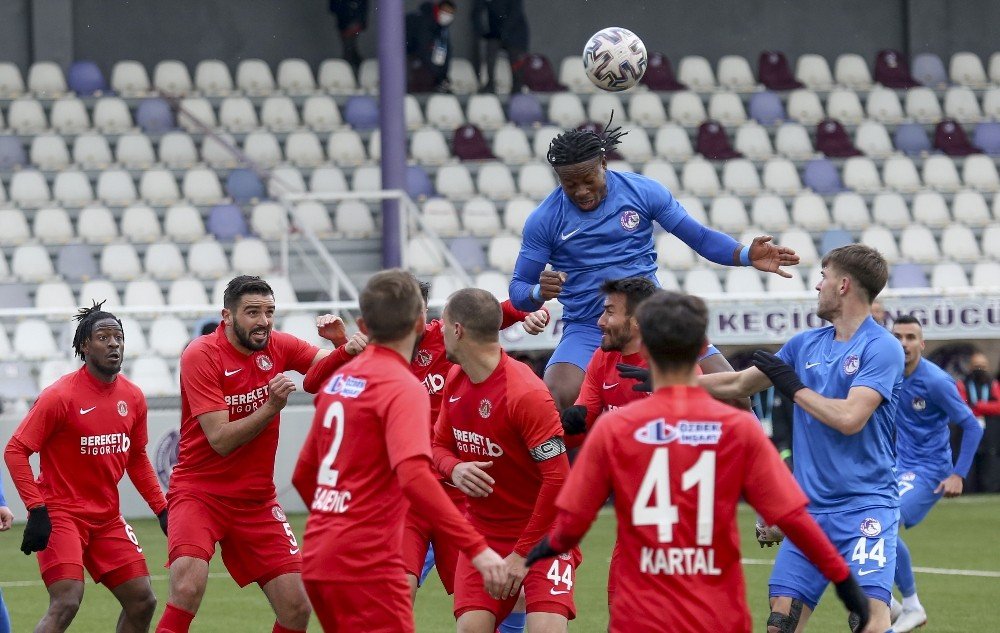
(444, 19)
(980, 376)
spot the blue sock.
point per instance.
(513, 624)
(4, 616)
(904, 570)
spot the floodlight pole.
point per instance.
(392, 92)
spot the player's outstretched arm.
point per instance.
(322, 370)
(332, 328)
(848, 415)
(6, 516)
(525, 290)
(731, 385)
(225, 436)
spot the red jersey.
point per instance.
(215, 376)
(511, 420)
(363, 428)
(88, 434)
(678, 463)
(603, 389)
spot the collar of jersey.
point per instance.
(95, 384)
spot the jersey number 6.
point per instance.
(656, 481)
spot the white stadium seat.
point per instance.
(152, 375)
(143, 293)
(120, 262)
(480, 217)
(187, 291)
(207, 260)
(810, 212)
(129, 78)
(253, 76)
(212, 77)
(251, 257)
(33, 340)
(31, 263)
(168, 336)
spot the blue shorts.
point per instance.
(916, 495)
(866, 538)
(578, 343)
(428, 564)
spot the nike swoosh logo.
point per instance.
(293, 552)
(454, 399)
(865, 572)
(566, 236)
(235, 371)
(811, 365)
(557, 593)
(607, 386)
(86, 411)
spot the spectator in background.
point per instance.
(428, 45)
(981, 392)
(502, 24)
(352, 20)
(878, 312)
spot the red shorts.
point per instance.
(110, 551)
(417, 533)
(256, 540)
(373, 606)
(548, 587)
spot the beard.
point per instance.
(243, 336)
(615, 340)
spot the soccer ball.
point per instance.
(614, 59)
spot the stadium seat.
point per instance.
(699, 178)
(939, 173)
(986, 137)
(314, 217)
(25, 116)
(740, 177)
(814, 72)
(728, 214)
(287, 179)
(468, 251)
(922, 105)
(85, 78)
(950, 138)
(168, 336)
(969, 208)
(336, 76)
(809, 212)
(71, 188)
(16, 382)
(883, 105)
(900, 174)
(672, 142)
(743, 281)
(958, 242)
(418, 183)
(980, 172)
(821, 176)
(986, 275)
(14, 295)
(187, 291)
(29, 189)
(694, 207)
(444, 112)
(269, 220)
(566, 110)
(115, 187)
(960, 103)
(134, 336)
(423, 257)
(502, 252)
(226, 222)
(295, 77)
(494, 282)
(672, 253)
(11, 82)
(129, 78)
(75, 263)
(212, 78)
(12, 154)
(49, 152)
(15, 229)
(834, 238)
(152, 375)
(663, 173)
(172, 77)
(143, 293)
(850, 211)
(462, 77)
(207, 260)
(660, 74)
(154, 116)
(510, 144)
(177, 150)
(31, 263)
(96, 225)
(535, 180)
(111, 115)
(320, 113)
(991, 242)
(908, 276)
(455, 182)
(893, 70)
(69, 116)
(766, 108)
(851, 71)
(543, 138)
(361, 112)
(485, 111)
(573, 75)
(780, 176)
(695, 72)
(440, 217)
(237, 114)
(601, 106)
(686, 109)
(344, 147)
(872, 138)
(99, 290)
(327, 179)
(243, 186)
(911, 139)
(634, 145)
(667, 279)
(753, 141)
(727, 108)
(90, 151)
(278, 114)
(134, 151)
(516, 213)
(917, 244)
(804, 106)
(844, 105)
(196, 113)
(253, 76)
(120, 262)
(991, 105)
(54, 295)
(201, 186)
(929, 70)
(163, 260)
(494, 180)
(770, 213)
(646, 109)
(303, 326)
(791, 140)
(525, 110)
(832, 139)
(702, 282)
(734, 73)
(354, 219)
(45, 79)
(948, 275)
(183, 223)
(479, 216)
(468, 143)
(33, 340)
(802, 243)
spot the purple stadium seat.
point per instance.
(525, 110)
(950, 138)
(773, 71)
(11, 153)
(929, 70)
(469, 253)
(536, 73)
(226, 222)
(766, 108)
(361, 112)
(243, 185)
(76, 263)
(154, 116)
(986, 137)
(660, 74)
(892, 70)
(85, 78)
(15, 296)
(834, 238)
(832, 140)
(911, 139)
(470, 144)
(418, 183)
(598, 128)
(16, 382)
(908, 276)
(822, 176)
(713, 142)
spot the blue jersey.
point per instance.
(846, 472)
(612, 242)
(928, 401)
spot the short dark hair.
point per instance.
(244, 285)
(673, 327)
(635, 289)
(86, 319)
(906, 319)
(425, 290)
(390, 303)
(577, 146)
(864, 264)
(478, 311)
(448, 3)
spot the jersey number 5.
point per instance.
(652, 502)
(327, 475)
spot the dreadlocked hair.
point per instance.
(576, 146)
(86, 318)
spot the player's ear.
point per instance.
(227, 316)
(362, 327)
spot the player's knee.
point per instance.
(186, 592)
(63, 608)
(295, 614)
(142, 608)
(778, 622)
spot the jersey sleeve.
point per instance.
(444, 449)
(881, 366)
(200, 373)
(789, 352)
(768, 485)
(944, 393)
(591, 389)
(298, 354)
(589, 481)
(662, 205)
(45, 417)
(307, 466)
(403, 438)
(535, 413)
(536, 241)
(139, 468)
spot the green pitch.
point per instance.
(958, 535)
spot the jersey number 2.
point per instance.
(327, 475)
(652, 502)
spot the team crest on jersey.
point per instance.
(424, 358)
(629, 219)
(851, 364)
(870, 527)
(278, 513)
(485, 408)
(908, 476)
(919, 404)
(122, 408)
(264, 362)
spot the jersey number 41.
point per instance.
(652, 502)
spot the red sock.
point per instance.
(284, 629)
(174, 620)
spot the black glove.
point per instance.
(37, 530)
(574, 420)
(543, 549)
(162, 516)
(850, 593)
(636, 373)
(782, 376)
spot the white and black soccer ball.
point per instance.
(615, 59)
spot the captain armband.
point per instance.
(548, 449)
